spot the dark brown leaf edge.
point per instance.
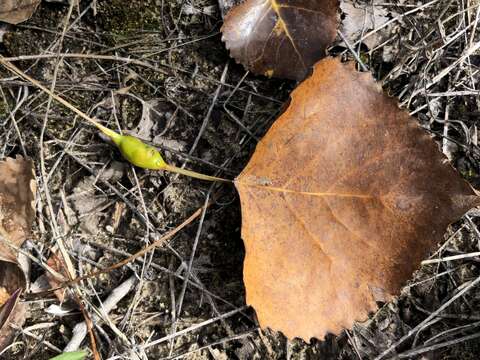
(280, 38)
(17, 11)
(7, 308)
(11, 312)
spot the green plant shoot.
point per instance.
(73, 355)
(133, 149)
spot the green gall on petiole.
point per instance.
(145, 156)
(138, 153)
(133, 149)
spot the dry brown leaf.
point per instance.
(280, 38)
(17, 190)
(11, 278)
(16, 11)
(12, 283)
(4, 295)
(342, 199)
(56, 263)
(11, 312)
(359, 19)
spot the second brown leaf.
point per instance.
(281, 38)
(16, 11)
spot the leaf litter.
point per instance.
(17, 11)
(182, 87)
(17, 191)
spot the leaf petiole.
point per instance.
(193, 174)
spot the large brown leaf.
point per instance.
(281, 38)
(17, 191)
(16, 11)
(341, 200)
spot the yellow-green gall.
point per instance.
(138, 153)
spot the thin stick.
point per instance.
(425, 322)
(194, 327)
(110, 133)
(354, 53)
(451, 258)
(117, 294)
(138, 254)
(145, 250)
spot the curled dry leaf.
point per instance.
(16, 11)
(11, 312)
(281, 38)
(359, 19)
(340, 202)
(17, 189)
(57, 264)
